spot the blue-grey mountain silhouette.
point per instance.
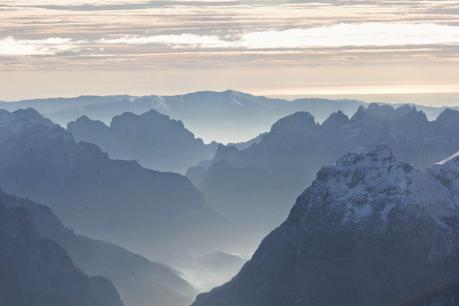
(36, 271)
(117, 201)
(228, 116)
(139, 281)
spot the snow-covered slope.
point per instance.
(370, 230)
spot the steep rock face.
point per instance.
(139, 281)
(117, 201)
(154, 140)
(37, 271)
(266, 176)
(370, 230)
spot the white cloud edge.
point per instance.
(50, 46)
(370, 34)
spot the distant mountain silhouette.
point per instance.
(37, 271)
(117, 201)
(228, 116)
(255, 185)
(154, 140)
(370, 230)
(139, 281)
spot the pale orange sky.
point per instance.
(342, 48)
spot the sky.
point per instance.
(386, 48)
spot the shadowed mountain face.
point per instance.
(36, 271)
(154, 140)
(117, 201)
(254, 186)
(370, 230)
(139, 281)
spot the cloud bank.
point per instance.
(335, 36)
(230, 43)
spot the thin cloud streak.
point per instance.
(354, 35)
(185, 39)
(336, 36)
(340, 35)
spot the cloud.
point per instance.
(353, 35)
(49, 46)
(174, 40)
(370, 34)
(345, 35)
(116, 5)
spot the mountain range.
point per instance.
(255, 186)
(152, 139)
(228, 116)
(112, 200)
(370, 230)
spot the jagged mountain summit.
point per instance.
(112, 200)
(370, 230)
(37, 271)
(154, 140)
(139, 281)
(255, 185)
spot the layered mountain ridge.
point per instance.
(261, 179)
(37, 271)
(117, 201)
(227, 116)
(139, 281)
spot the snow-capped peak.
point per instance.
(377, 184)
(361, 185)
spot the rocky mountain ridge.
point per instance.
(370, 230)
